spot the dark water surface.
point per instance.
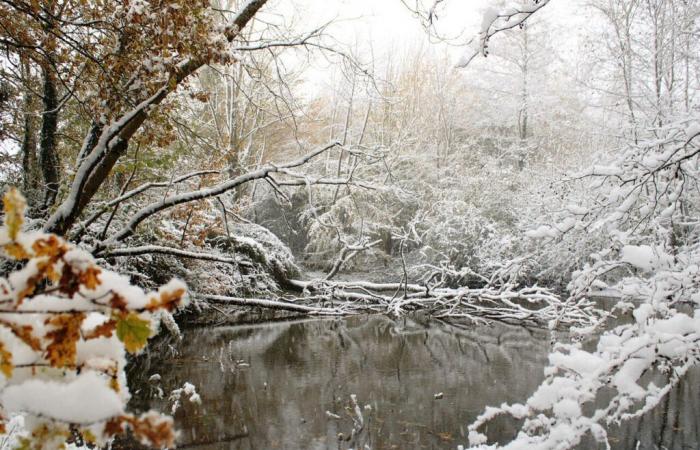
(270, 385)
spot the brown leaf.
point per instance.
(6, 365)
(61, 352)
(69, 284)
(115, 426)
(24, 333)
(154, 429)
(51, 246)
(104, 330)
(90, 278)
(118, 302)
(167, 300)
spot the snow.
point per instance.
(82, 400)
(489, 17)
(646, 258)
(693, 129)
(607, 171)
(544, 231)
(578, 210)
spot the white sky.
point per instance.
(381, 26)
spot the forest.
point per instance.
(369, 224)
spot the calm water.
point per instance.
(270, 386)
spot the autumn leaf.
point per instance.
(69, 283)
(50, 246)
(61, 352)
(16, 251)
(5, 361)
(14, 206)
(118, 302)
(90, 278)
(114, 426)
(153, 429)
(24, 333)
(104, 330)
(133, 331)
(166, 300)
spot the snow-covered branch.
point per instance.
(205, 193)
(495, 21)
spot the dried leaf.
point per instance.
(61, 352)
(16, 251)
(115, 426)
(24, 333)
(14, 206)
(104, 330)
(133, 331)
(42, 268)
(154, 429)
(167, 300)
(90, 278)
(6, 365)
(118, 302)
(51, 246)
(69, 284)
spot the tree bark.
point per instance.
(48, 152)
(30, 166)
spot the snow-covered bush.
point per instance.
(65, 328)
(646, 205)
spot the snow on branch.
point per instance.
(205, 193)
(498, 301)
(495, 21)
(644, 204)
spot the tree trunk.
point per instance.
(30, 166)
(48, 154)
(99, 158)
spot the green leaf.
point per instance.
(133, 331)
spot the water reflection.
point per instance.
(273, 385)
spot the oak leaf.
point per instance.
(103, 330)
(50, 246)
(24, 333)
(118, 302)
(61, 352)
(167, 300)
(90, 278)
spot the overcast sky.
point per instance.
(388, 26)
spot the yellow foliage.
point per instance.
(5, 361)
(14, 205)
(61, 352)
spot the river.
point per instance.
(419, 382)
